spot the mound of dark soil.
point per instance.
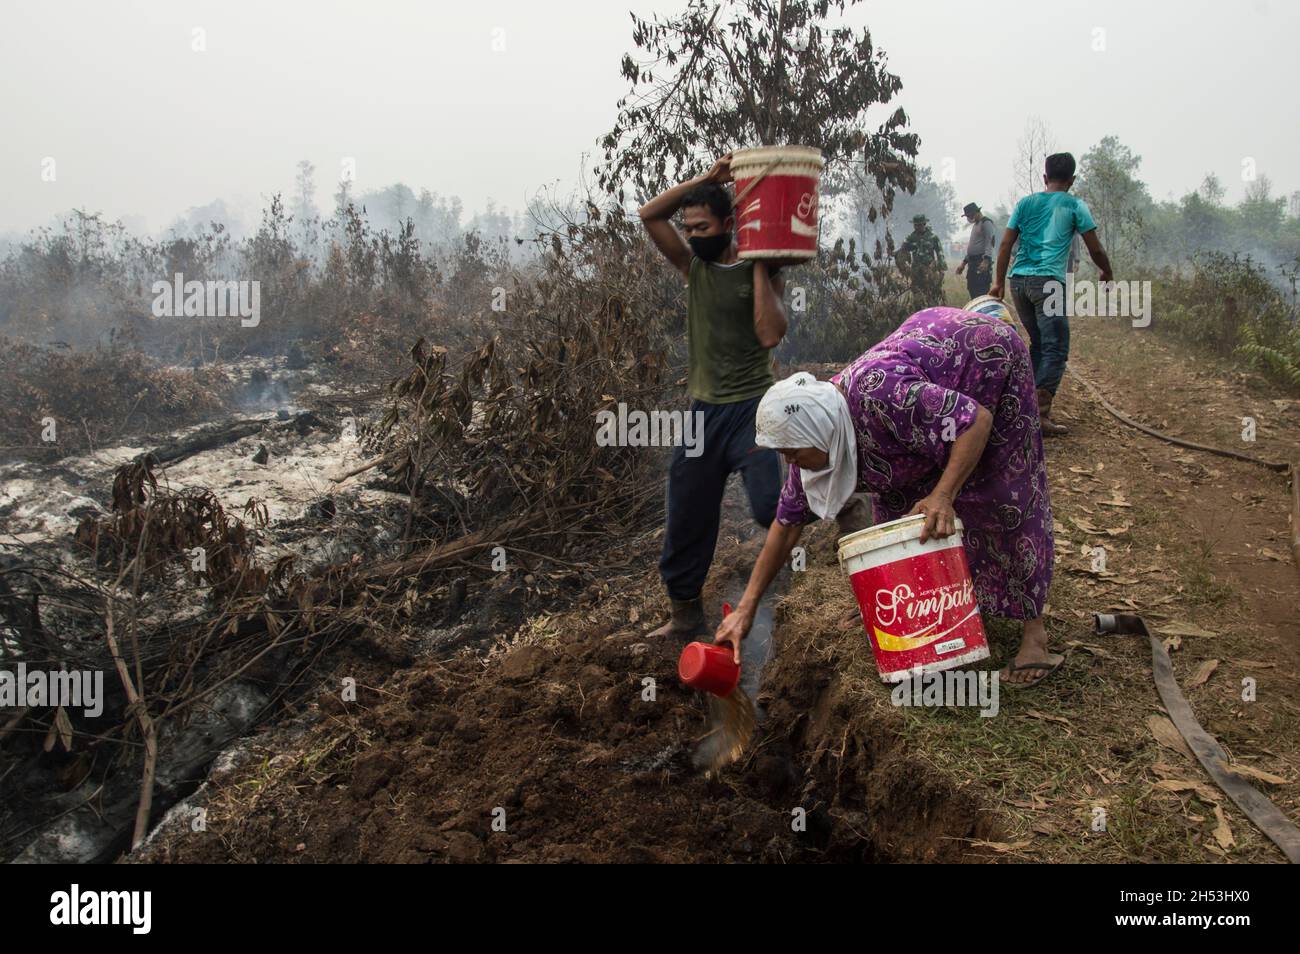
(561, 749)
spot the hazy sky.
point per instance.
(142, 126)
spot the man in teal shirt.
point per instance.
(1046, 223)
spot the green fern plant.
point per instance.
(1281, 359)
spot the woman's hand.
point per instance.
(734, 628)
(940, 518)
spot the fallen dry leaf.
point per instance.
(1203, 673)
(1036, 805)
(1182, 628)
(1000, 846)
(1108, 777)
(1035, 714)
(1093, 650)
(595, 754)
(1204, 792)
(1166, 733)
(64, 725)
(1249, 771)
(1222, 833)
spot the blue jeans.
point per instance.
(1049, 335)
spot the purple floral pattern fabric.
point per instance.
(911, 396)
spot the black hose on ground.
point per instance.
(1266, 816)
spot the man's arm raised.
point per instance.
(657, 214)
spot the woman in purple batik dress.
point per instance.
(941, 419)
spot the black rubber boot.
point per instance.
(687, 620)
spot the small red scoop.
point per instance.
(709, 667)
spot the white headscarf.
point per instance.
(804, 412)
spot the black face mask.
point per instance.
(710, 247)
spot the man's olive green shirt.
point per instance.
(727, 364)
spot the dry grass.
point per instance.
(1055, 754)
(94, 397)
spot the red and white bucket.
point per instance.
(776, 201)
(917, 599)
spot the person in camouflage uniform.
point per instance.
(921, 258)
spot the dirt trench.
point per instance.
(553, 748)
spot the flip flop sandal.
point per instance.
(1046, 668)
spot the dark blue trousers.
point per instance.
(696, 485)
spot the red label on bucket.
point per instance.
(921, 611)
(779, 217)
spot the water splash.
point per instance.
(732, 720)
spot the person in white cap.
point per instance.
(939, 419)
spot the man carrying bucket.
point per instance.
(979, 251)
(735, 317)
(1046, 223)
